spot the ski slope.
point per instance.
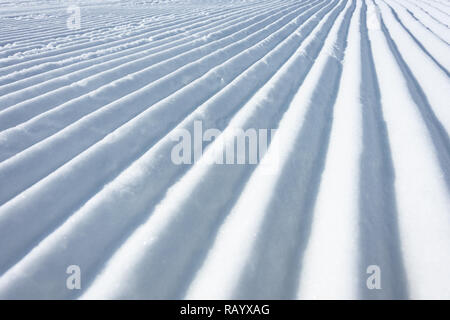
(358, 92)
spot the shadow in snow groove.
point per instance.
(379, 236)
(149, 197)
(184, 243)
(171, 278)
(418, 42)
(91, 184)
(172, 264)
(422, 23)
(274, 268)
(438, 134)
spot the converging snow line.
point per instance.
(356, 205)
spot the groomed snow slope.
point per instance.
(358, 91)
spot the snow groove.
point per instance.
(357, 90)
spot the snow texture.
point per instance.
(358, 90)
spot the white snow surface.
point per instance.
(358, 90)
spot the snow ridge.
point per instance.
(359, 94)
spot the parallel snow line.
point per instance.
(267, 271)
(30, 43)
(102, 152)
(5, 77)
(120, 28)
(40, 45)
(419, 184)
(378, 235)
(25, 59)
(95, 23)
(155, 27)
(427, 95)
(34, 69)
(133, 62)
(101, 56)
(429, 42)
(440, 30)
(168, 50)
(244, 226)
(444, 10)
(61, 26)
(180, 229)
(445, 4)
(424, 15)
(47, 123)
(27, 77)
(101, 44)
(40, 35)
(437, 14)
(330, 263)
(362, 151)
